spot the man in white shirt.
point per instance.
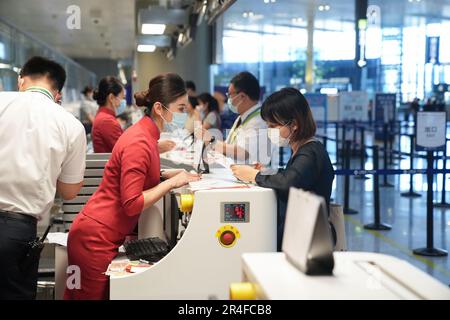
(247, 140)
(42, 150)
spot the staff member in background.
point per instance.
(110, 96)
(193, 115)
(210, 108)
(244, 138)
(88, 109)
(287, 112)
(130, 184)
(191, 89)
(42, 150)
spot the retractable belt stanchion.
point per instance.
(325, 139)
(337, 144)
(385, 156)
(343, 151)
(354, 139)
(429, 250)
(411, 193)
(443, 203)
(391, 135)
(376, 225)
(347, 151)
(362, 154)
(399, 143)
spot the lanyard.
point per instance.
(44, 91)
(235, 131)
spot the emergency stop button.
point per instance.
(227, 236)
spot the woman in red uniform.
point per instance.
(130, 184)
(110, 96)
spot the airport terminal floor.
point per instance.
(231, 150)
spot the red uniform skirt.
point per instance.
(91, 246)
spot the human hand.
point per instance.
(165, 145)
(202, 134)
(244, 173)
(183, 178)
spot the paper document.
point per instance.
(209, 184)
(58, 238)
(221, 160)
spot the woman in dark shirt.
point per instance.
(290, 123)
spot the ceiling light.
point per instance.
(266, 1)
(324, 7)
(245, 15)
(146, 48)
(153, 28)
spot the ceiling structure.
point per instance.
(394, 13)
(109, 28)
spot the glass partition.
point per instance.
(16, 47)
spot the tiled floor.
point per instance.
(407, 216)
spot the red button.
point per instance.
(227, 238)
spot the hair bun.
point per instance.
(141, 98)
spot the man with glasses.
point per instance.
(246, 141)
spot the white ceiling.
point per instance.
(46, 19)
(113, 36)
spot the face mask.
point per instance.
(231, 106)
(122, 106)
(178, 121)
(275, 137)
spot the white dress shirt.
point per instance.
(40, 143)
(251, 135)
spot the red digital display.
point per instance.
(235, 212)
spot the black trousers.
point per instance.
(15, 282)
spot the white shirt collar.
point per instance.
(249, 111)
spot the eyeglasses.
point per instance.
(228, 94)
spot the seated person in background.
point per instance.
(290, 120)
(88, 109)
(191, 88)
(210, 108)
(123, 121)
(110, 96)
(193, 115)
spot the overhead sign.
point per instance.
(432, 50)
(431, 131)
(385, 107)
(318, 104)
(353, 106)
(384, 111)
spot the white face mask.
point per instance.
(275, 137)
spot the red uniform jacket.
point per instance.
(105, 131)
